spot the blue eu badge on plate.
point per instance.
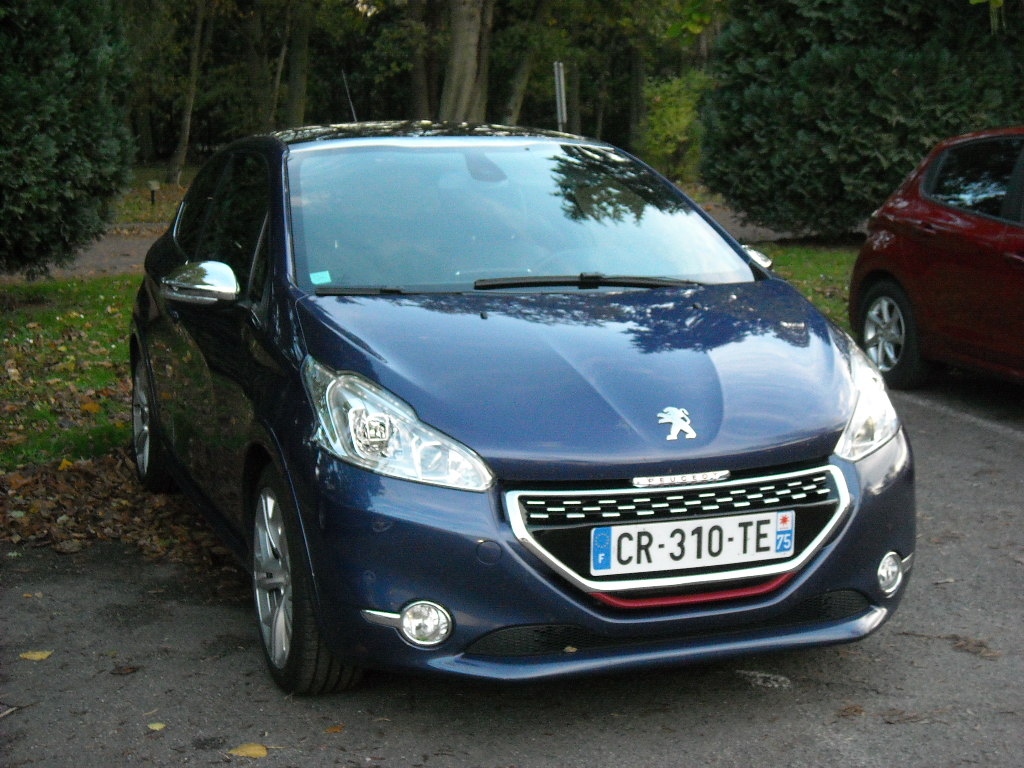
(601, 549)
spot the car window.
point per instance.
(196, 206)
(977, 176)
(439, 218)
(238, 211)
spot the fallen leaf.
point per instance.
(156, 726)
(65, 465)
(249, 750)
(16, 481)
(36, 655)
(91, 406)
(124, 670)
(335, 729)
(69, 547)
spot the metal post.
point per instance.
(561, 112)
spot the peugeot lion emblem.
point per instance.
(679, 419)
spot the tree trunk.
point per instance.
(257, 88)
(143, 120)
(521, 77)
(270, 119)
(478, 105)
(637, 107)
(195, 60)
(298, 63)
(464, 97)
(419, 101)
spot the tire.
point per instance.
(888, 334)
(296, 655)
(147, 448)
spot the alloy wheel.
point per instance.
(141, 420)
(272, 578)
(885, 333)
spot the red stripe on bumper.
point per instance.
(704, 597)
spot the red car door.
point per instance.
(976, 256)
(1009, 298)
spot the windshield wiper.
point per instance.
(582, 280)
(358, 290)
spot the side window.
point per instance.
(196, 206)
(238, 212)
(977, 176)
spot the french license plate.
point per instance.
(682, 544)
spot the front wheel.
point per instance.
(888, 333)
(147, 451)
(296, 655)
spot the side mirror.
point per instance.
(204, 282)
(759, 258)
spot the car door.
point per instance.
(170, 350)
(965, 234)
(219, 403)
(1008, 345)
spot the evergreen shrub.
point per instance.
(64, 144)
(821, 107)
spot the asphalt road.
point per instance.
(137, 644)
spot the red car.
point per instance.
(941, 276)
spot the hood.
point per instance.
(599, 385)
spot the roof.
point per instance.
(408, 128)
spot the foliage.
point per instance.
(670, 140)
(65, 147)
(64, 390)
(823, 106)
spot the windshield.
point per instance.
(442, 216)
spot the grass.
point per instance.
(64, 392)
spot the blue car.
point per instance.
(505, 404)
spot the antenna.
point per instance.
(348, 93)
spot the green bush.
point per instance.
(821, 107)
(65, 148)
(671, 133)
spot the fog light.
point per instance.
(425, 623)
(890, 573)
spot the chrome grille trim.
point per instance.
(655, 505)
(541, 510)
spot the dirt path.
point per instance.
(120, 252)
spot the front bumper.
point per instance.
(377, 544)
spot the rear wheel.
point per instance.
(298, 659)
(147, 450)
(888, 334)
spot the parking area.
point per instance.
(154, 664)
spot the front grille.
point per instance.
(548, 510)
(556, 525)
(545, 639)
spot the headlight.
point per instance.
(874, 420)
(366, 425)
